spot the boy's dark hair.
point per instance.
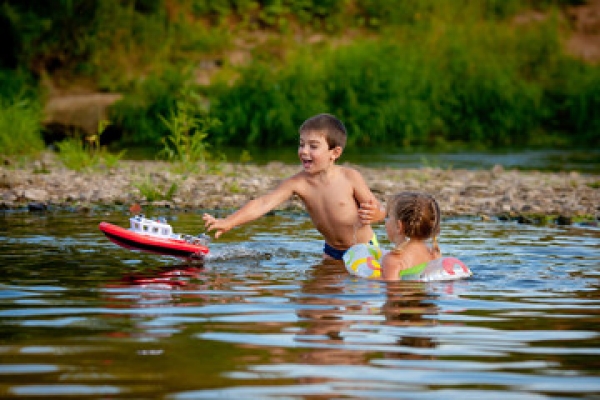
(334, 129)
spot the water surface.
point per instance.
(582, 160)
(266, 318)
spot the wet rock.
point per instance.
(36, 207)
(563, 220)
(522, 219)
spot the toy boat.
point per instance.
(156, 236)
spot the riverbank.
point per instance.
(496, 192)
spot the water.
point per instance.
(265, 318)
(583, 160)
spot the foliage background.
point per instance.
(436, 73)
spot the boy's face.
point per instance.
(314, 151)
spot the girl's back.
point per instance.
(413, 253)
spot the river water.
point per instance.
(582, 160)
(264, 317)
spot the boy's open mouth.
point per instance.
(306, 163)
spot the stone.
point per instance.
(36, 195)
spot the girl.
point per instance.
(412, 219)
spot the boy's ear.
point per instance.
(337, 152)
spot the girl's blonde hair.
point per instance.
(420, 216)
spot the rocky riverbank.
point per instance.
(526, 195)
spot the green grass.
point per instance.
(20, 126)
(152, 191)
(86, 153)
(188, 127)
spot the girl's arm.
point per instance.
(391, 265)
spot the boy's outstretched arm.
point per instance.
(250, 211)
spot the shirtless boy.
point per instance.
(337, 198)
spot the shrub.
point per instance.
(138, 113)
(20, 127)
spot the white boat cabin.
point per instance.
(145, 226)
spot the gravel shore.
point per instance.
(497, 192)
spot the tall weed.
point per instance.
(153, 191)
(86, 153)
(20, 127)
(188, 127)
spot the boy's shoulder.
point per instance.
(345, 172)
(350, 172)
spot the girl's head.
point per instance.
(414, 216)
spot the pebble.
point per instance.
(485, 193)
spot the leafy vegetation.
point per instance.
(186, 143)
(86, 153)
(153, 191)
(433, 73)
(20, 126)
(20, 115)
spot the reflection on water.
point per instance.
(264, 317)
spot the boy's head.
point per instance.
(331, 128)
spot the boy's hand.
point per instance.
(370, 212)
(211, 223)
(367, 212)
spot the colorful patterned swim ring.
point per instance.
(364, 260)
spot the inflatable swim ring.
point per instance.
(364, 260)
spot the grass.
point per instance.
(20, 126)
(188, 126)
(85, 153)
(152, 191)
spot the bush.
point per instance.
(479, 82)
(20, 115)
(138, 113)
(404, 72)
(572, 101)
(20, 127)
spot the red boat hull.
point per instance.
(168, 247)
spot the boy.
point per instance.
(338, 200)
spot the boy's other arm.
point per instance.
(252, 210)
(370, 209)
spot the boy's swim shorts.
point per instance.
(337, 254)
